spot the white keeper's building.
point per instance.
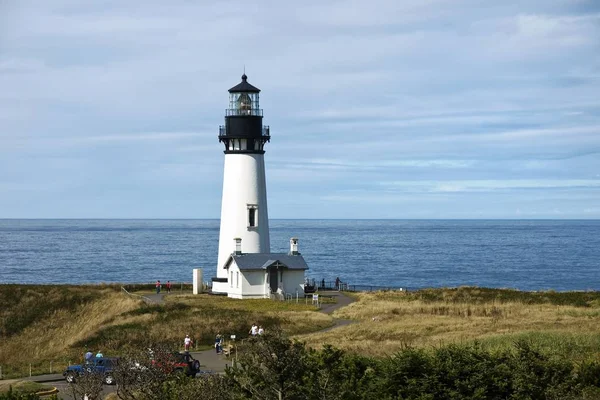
(246, 268)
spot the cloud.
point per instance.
(490, 185)
(369, 98)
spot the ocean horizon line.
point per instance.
(289, 219)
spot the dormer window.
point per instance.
(252, 215)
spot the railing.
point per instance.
(34, 368)
(372, 288)
(151, 286)
(234, 112)
(321, 285)
(266, 130)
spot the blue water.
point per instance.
(522, 254)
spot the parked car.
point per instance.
(176, 362)
(100, 365)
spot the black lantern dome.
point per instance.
(243, 131)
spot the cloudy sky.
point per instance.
(377, 108)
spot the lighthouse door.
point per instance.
(273, 279)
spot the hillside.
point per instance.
(40, 324)
(563, 323)
(46, 323)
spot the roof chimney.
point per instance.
(294, 247)
(238, 246)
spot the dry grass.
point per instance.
(387, 322)
(54, 337)
(208, 315)
(65, 320)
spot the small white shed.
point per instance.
(258, 275)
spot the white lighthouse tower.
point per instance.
(244, 204)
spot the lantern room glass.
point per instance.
(244, 103)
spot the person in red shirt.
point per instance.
(157, 287)
(168, 286)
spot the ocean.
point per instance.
(521, 254)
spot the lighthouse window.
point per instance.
(252, 216)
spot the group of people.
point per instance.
(89, 355)
(256, 330)
(188, 342)
(159, 286)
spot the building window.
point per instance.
(231, 280)
(252, 215)
(237, 279)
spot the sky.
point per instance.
(377, 109)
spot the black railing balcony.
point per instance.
(234, 112)
(266, 130)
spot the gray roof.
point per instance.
(250, 261)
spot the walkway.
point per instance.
(210, 360)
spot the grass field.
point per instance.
(19, 386)
(564, 324)
(44, 324)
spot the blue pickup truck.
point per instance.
(100, 365)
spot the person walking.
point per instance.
(168, 286)
(187, 343)
(260, 330)
(253, 330)
(88, 356)
(157, 287)
(219, 344)
(99, 354)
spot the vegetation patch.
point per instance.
(101, 317)
(564, 324)
(23, 305)
(25, 387)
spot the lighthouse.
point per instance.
(244, 216)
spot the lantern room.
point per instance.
(243, 131)
(244, 99)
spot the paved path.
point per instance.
(210, 360)
(155, 298)
(341, 300)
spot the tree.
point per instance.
(332, 374)
(271, 366)
(87, 386)
(145, 374)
